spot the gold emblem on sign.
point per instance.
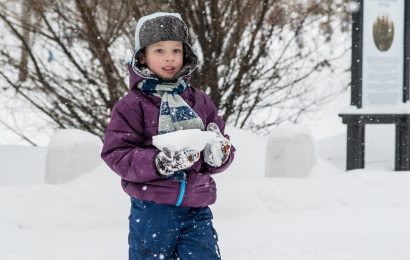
(383, 32)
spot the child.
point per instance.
(170, 190)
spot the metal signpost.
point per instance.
(380, 77)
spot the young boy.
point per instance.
(170, 190)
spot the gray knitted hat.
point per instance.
(157, 27)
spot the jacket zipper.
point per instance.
(182, 189)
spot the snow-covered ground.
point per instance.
(332, 215)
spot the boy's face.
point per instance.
(164, 58)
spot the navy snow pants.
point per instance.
(170, 232)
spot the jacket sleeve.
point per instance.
(217, 119)
(123, 151)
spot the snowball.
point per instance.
(194, 139)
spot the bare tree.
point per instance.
(72, 75)
(71, 56)
(260, 54)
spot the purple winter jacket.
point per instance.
(129, 152)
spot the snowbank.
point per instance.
(331, 214)
(20, 165)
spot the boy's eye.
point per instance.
(177, 50)
(159, 50)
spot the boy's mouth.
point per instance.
(168, 68)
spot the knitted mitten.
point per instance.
(217, 153)
(169, 161)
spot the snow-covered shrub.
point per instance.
(290, 152)
(71, 153)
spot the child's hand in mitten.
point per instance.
(217, 153)
(169, 161)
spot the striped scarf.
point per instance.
(175, 114)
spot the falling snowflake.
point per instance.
(354, 6)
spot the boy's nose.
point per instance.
(169, 56)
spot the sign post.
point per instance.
(380, 77)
